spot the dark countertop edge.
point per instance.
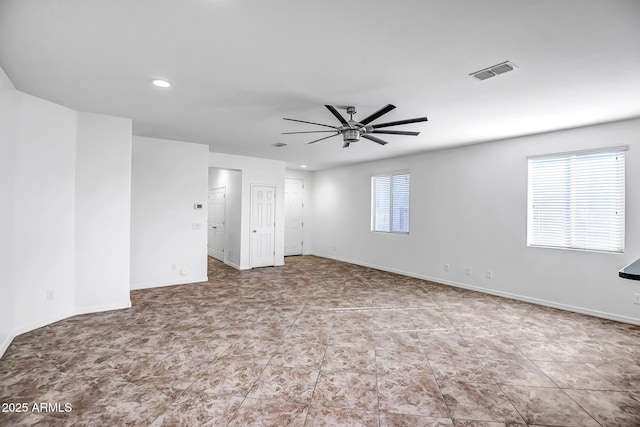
(635, 267)
(628, 275)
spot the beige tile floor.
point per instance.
(319, 342)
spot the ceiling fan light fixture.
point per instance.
(351, 135)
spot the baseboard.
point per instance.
(65, 315)
(44, 322)
(138, 286)
(524, 298)
(538, 301)
(101, 308)
(230, 264)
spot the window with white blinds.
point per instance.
(576, 200)
(391, 202)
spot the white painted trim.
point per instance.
(224, 222)
(39, 324)
(552, 304)
(101, 308)
(36, 325)
(70, 313)
(590, 150)
(301, 215)
(230, 264)
(138, 286)
(251, 206)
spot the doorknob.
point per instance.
(214, 226)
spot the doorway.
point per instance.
(293, 206)
(216, 223)
(263, 226)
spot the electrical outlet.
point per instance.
(636, 299)
(447, 267)
(489, 274)
(49, 294)
(467, 271)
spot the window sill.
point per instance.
(577, 249)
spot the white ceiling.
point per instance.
(239, 66)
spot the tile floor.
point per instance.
(319, 342)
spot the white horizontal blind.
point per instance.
(382, 203)
(576, 200)
(400, 203)
(391, 203)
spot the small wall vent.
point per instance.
(279, 144)
(494, 70)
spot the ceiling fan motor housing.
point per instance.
(351, 135)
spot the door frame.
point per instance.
(224, 240)
(301, 213)
(251, 207)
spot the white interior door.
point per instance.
(293, 206)
(215, 223)
(263, 226)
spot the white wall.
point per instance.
(44, 178)
(65, 180)
(167, 178)
(469, 208)
(231, 180)
(7, 155)
(102, 212)
(259, 172)
(307, 210)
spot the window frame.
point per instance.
(572, 189)
(373, 201)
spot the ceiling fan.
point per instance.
(352, 130)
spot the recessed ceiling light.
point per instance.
(303, 166)
(161, 83)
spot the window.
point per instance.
(576, 200)
(391, 202)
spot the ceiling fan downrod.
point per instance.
(350, 133)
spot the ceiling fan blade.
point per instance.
(400, 122)
(374, 139)
(393, 132)
(381, 112)
(330, 136)
(308, 131)
(311, 123)
(337, 114)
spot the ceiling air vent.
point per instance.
(279, 144)
(493, 71)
